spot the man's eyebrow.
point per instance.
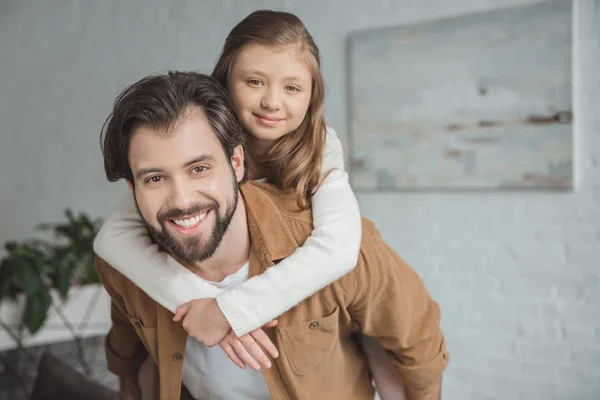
(201, 158)
(146, 171)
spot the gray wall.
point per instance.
(516, 273)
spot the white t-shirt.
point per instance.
(209, 374)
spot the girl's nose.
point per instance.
(271, 100)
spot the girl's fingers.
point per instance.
(256, 351)
(242, 353)
(270, 324)
(181, 311)
(261, 337)
(231, 354)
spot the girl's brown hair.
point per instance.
(294, 162)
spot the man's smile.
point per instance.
(189, 225)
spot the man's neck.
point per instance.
(233, 252)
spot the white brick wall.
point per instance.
(517, 274)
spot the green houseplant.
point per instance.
(34, 267)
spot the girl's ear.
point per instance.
(237, 162)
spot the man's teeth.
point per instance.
(190, 222)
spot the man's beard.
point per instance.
(193, 249)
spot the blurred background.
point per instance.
(516, 272)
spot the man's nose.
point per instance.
(182, 195)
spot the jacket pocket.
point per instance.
(305, 345)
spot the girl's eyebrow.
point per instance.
(262, 74)
(294, 78)
(252, 72)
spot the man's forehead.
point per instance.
(192, 115)
(192, 134)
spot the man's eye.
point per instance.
(199, 169)
(154, 179)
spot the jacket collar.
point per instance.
(271, 237)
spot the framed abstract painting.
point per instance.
(476, 102)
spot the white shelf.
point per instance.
(87, 311)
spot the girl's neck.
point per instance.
(257, 152)
(255, 172)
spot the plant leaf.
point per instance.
(63, 280)
(10, 246)
(36, 310)
(6, 287)
(25, 276)
(34, 266)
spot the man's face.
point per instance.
(186, 189)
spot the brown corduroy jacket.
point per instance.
(320, 358)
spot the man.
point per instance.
(176, 140)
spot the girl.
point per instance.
(271, 67)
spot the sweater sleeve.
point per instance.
(328, 254)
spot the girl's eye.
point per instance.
(255, 82)
(199, 169)
(154, 179)
(292, 88)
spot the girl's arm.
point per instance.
(327, 255)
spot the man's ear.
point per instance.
(237, 162)
(130, 185)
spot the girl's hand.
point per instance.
(245, 349)
(203, 320)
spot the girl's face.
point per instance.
(271, 89)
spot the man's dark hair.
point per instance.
(159, 102)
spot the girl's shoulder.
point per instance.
(330, 133)
(333, 156)
(332, 141)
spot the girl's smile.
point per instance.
(268, 120)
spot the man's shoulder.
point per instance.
(103, 267)
(110, 276)
(376, 255)
(370, 235)
(271, 196)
